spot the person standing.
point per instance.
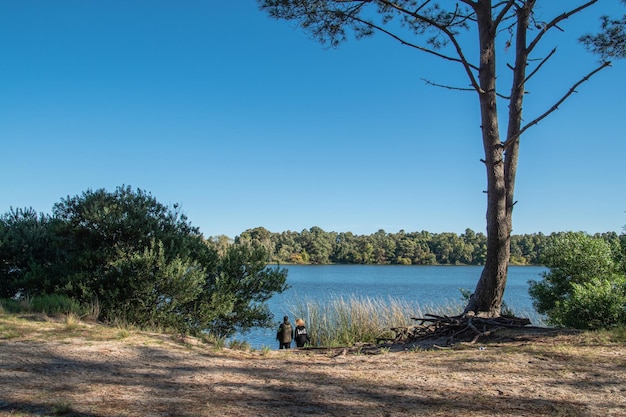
(300, 334)
(285, 334)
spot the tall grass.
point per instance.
(345, 321)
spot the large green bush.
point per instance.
(585, 286)
(141, 261)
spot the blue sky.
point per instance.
(245, 121)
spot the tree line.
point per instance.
(316, 246)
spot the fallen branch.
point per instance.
(456, 329)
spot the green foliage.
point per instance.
(138, 261)
(316, 246)
(54, 304)
(585, 287)
(10, 305)
(597, 304)
(244, 280)
(610, 42)
(153, 290)
(28, 253)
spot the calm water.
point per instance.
(422, 285)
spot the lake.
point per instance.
(425, 286)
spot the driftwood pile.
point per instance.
(440, 331)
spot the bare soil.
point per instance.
(51, 367)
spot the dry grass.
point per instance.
(49, 368)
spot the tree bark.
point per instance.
(500, 158)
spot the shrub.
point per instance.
(142, 261)
(597, 304)
(584, 287)
(54, 304)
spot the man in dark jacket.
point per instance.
(285, 334)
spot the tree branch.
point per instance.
(449, 87)
(502, 13)
(543, 61)
(555, 21)
(556, 105)
(412, 45)
(466, 64)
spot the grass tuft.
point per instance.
(122, 334)
(238, 345)
(61, 408)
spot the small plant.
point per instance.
(9, 334)
(121, 324)
(71, 321)
(265, 350)
(212, 339)
(619, 334)
(122, 334)
(415, 349)
(238, 345)
(219, 344)
(25, 304)
(61, 408)
(92, 310)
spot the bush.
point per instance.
(585, 287)
(142, 261)
(597, 304)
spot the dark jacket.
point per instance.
(301, 336)
(285, 333)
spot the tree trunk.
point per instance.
(500, 159)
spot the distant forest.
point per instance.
(316, 246)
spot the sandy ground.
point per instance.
(54, 368)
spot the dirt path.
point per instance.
(49, 368)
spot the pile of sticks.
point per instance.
(450, 330)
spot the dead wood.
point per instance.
(453, 330)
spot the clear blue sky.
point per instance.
(247, 122)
